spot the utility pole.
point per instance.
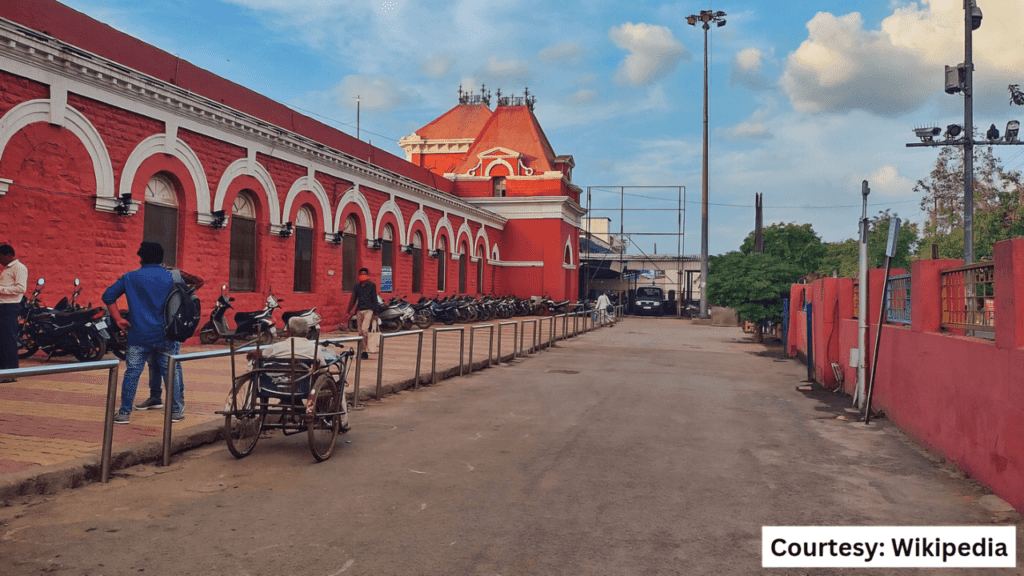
(357, 118)
(969, 8)
(706, 17)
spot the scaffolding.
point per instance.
(618, 247)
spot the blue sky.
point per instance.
(807, 98)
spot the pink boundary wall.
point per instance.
(959, 396)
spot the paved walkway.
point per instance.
(49, 420)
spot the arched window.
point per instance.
(161, 217)
(417, 263)
(480, 270)
(349, 253)
(242, 273)
(387, 259)
(303, 281)
(442, 259)
(463, 265)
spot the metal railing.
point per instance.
(172, 362)
(462, 350)
(968, 297)
(113, 366)
(522, 335)
(380, 358)
(897, 299)
(515, 337)
(490, 344)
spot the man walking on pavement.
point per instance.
(364, 299)
(145, 290)
(13, 283)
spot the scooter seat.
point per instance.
(246, 317)
(289, 315)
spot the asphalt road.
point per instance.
(655, 447)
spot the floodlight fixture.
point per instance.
(953, 130)
(975, 18)
(220, 219)
(1012, 129)
(927, 133)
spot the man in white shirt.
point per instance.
(13, 283)
(602, 308)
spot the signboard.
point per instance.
(385, 279)
(894, 234)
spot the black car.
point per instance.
(649, 300)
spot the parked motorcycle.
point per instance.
(257, 325)
(64, 329)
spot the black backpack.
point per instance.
(182, 310)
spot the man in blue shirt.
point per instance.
(145, 289)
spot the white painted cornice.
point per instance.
(533, 208)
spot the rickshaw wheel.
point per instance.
(242, 429)
(324, 420)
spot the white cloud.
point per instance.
(565, 51)
(374, 92)
(514, 71)
(746, 70)
(581, 97)
(654, 53)
(888, 181)
(438, 66)
(897, 68)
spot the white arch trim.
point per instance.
(495, 255)
(392, 207)
(500, 162)
(482, 234)
(240, 167)
(568, 247)
(40, 111)
(421, 216)
(447, 225)
(354, 196)
(464, 230)
(157, 144)
(311, 184)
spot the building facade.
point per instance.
(106, 141)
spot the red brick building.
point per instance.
(106, 140)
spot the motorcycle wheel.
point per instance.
(265, 338)
(390, 325)
(449, 321)
(407, 324)
(91, 346)
(207, 335)
(353, 324)
(27, 345)
(118, 343)
(424, 320)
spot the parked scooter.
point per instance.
(257, 325)
(310, 315)
(63, 329)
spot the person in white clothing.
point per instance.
(602, 306)
(13, 284)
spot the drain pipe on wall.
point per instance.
(862, 300)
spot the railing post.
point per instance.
(462, 346)
(490, 345)
(499, 344)
(108, 424)
(419, 355)
(380, 366)
(172, 365)
(472, 334)
(433, 362)
(359, 363)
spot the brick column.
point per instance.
(926, 293)
(1009, 293)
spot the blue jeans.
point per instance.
(135, 360)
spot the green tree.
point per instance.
(878, 240)
(843, 257)
(752, 284)
(797, 244)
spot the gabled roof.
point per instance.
(462, 121)
(515, 128)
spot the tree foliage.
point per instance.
(797, 244)
(841, 257)
(752, 284)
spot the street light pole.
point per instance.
(969, 7)
(706, 17)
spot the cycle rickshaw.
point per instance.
(292, 395)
